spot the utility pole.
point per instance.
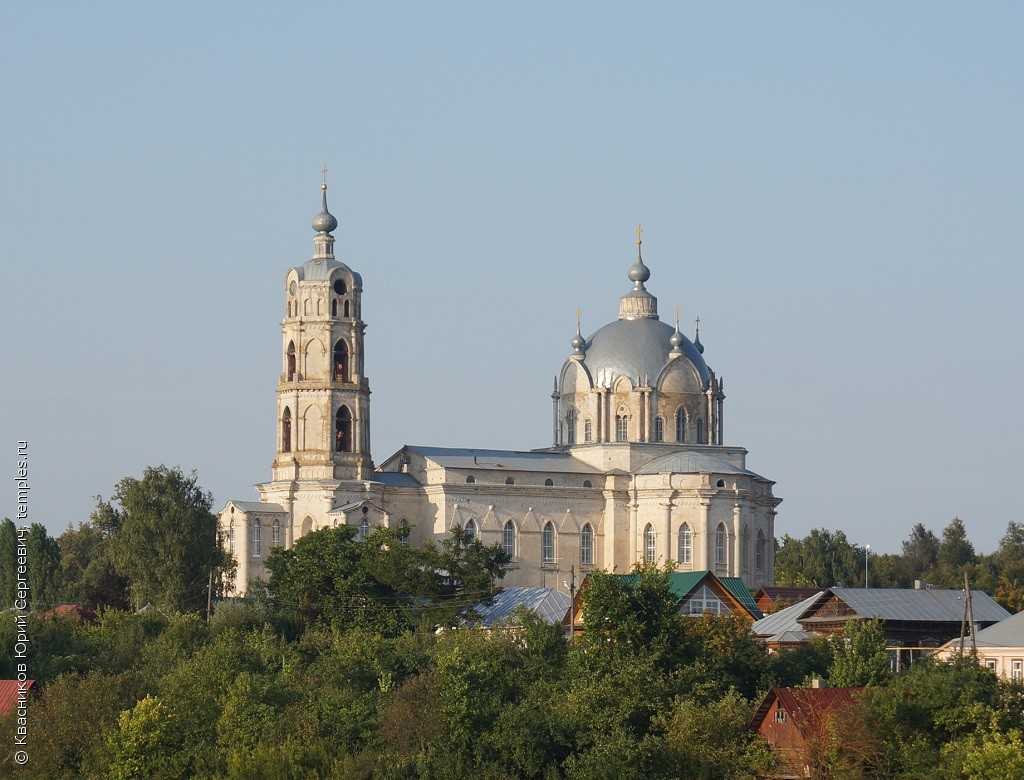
(572, 601)
(867, 552)
(209, 597)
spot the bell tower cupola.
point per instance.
(323, 396)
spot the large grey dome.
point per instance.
(638, 348)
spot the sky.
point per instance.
(835, 189)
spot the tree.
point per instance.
(163, 537)
(859, 655)
(88, 573)
(139, 746)
(956, 553)
(920, 552)
(822, 559)
(43, 567)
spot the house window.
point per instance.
(659, 429)
(621, 428)
(1017, 670)
(257, 542)
(704, 601)
(780, 716)
(548, 543)
(685, 544)
(990, 664)
(649, 544)
(364, 529)
(588, 430)
(403, 532)
(587, 545)
(275, 533)
(570, 427)
(508, 539)
(470, 530)
(720, 545)
(680, 426)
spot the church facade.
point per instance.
(637, 469)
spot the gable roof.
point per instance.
(550, 604)
(684, 583)
(804, 705)
(910, 605)
(784, 621)
(1005, 633)
(791, 593)
(738, 588)
(9, 694)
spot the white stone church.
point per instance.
(637, 470)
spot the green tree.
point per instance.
(859, 655)
(8, 549)
(88, 573)
(920, 552)
(43, 567)
(163, 537)
(996, 754)
(141, 743)
(956, 555)
(821, 559)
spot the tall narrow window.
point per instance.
(700, 430)
(470, 530)
(621, 427)
(685, 544)
(341, 361)
(231, 537)
(548, 543)
(346, 309)
(587, 545)
(364, 529)
(403, 532)
(286, 430)
(334, 307)
(588, 431)
(508, 538)
(759, 552)
(570, 427)
(275, 533)
(343, 430)
(291, 361)
(257, 542)
(680, 426)
(649, 542)
(659, 429)
(720, 545)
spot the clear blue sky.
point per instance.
(835, 190)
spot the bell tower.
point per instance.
(323, 397)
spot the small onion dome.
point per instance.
(676, 340)
(638, 272)
(698, 345)
(324, 222)
(578, 342)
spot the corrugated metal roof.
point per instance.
(396, 479)
(739, 589)
(258, 506)
(1005, 633)
(549, 603)
(783, 621)
(9, 693)
(505, 460)
(925, 605)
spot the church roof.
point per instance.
(320, 268)
(395, 479)
(638, 348)
(504, 460)
(691, 462)
(258, 506)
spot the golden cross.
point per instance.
(698, 324)
(639, 240)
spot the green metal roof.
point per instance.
(743, 595)
(683, 583)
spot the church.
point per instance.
(637, 470)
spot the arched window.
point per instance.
(291, 361)
(587, 545)
(720, 545)
(587, 483)
(275, 533)
(346, 309)
(339, 286)
(649, 542)
(570, 427)
(364, 528)
(700, 430)
(257, 542)
(548, 543)
(680, 426)
(508, 538)
(334, 307)
(286, 430)
(343, 430)
(231, 537)
(470, 479)
(588, 430)
(549, 483)
(510, 480)
(470, 530)
(621, 427)
(341, 361)
(759, 552)
(659, 429)
(685, 552)
(403, 532)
